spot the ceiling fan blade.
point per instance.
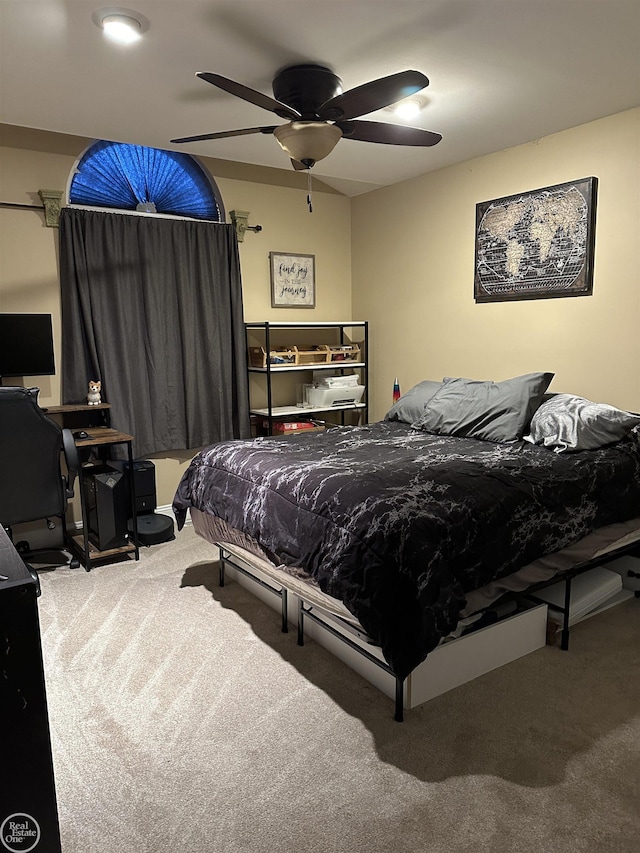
(373, 96)
(248, 94)
(225, 133)
(388, 134)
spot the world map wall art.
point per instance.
(537, 244)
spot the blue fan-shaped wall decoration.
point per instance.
(134, 177)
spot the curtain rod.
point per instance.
(115, 211)
(21, 206)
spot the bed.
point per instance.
(394, 526)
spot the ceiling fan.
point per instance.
(319, 113)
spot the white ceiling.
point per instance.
(502, 72)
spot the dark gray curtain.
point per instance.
(153, 308)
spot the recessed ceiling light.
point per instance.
(121, 25)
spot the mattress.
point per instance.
(296, 580)
(601, 542)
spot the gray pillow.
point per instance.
(491, 411)
(569, 423)
(411, 405)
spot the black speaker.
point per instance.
(107, 504)
(144, 481)
(28, 806)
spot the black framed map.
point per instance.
(537, 244)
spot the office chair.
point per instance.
(32, 483)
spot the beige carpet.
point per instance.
(184, 720)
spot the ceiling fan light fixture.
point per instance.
(307, 141)
(408, 108)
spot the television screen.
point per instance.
(26, 345)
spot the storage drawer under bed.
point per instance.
(450, 665)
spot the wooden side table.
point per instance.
(81, 415)
(80, 543)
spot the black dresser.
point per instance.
(28, 807)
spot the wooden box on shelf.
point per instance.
(293, 356)
(342, 354)
(277, 358)
(312, 355)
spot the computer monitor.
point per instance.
(26, 345)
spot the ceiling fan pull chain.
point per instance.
(309, 200)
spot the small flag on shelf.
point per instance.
(396, 390)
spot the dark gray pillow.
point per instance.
(570, 423)
(491, 411)
(411, 405)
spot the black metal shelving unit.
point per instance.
(336, 334)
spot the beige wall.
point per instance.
(29, 251)
(275, 199)
(413, 259)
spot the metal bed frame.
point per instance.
(307, 610)
(569, 574)
(324, 618)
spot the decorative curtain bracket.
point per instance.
(240, 219)
(52, 200)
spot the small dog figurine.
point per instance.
(93, 397)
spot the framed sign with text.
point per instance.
(293, 280)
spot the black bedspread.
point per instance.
(399, 524)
